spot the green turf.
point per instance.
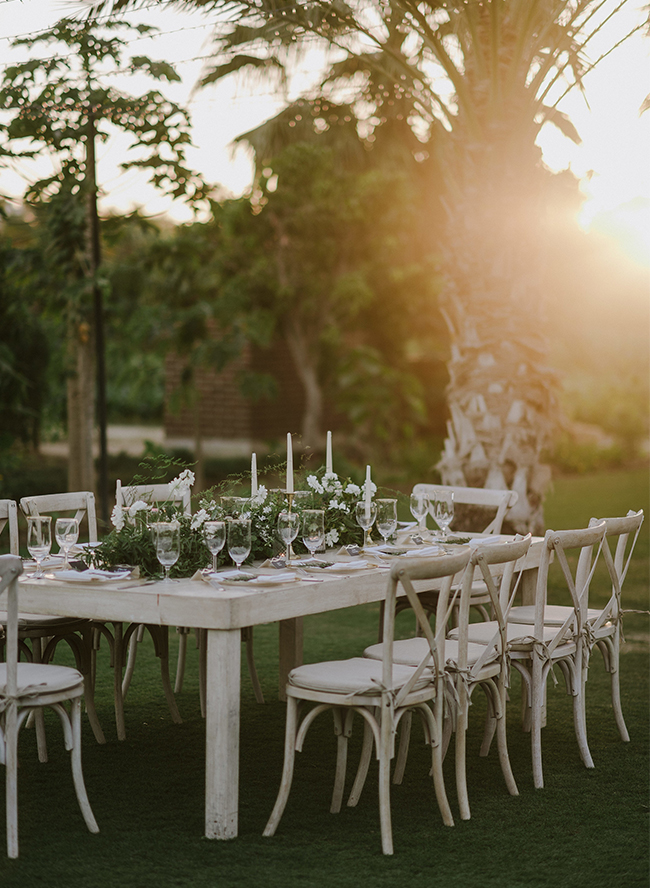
(586, 828)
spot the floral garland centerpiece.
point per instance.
(131, 542)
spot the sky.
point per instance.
(613, 161)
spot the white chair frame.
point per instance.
(374, 692)
(27, 687)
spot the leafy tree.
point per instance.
(58, 106)
(482, 78)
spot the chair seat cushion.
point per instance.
(46, 621)
(35, 679)
(554, 614)
(483, 633)
(358, 675)
(411, 651)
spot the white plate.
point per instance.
(92, 576)
(347, 566)
(266, 580)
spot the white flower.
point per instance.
(117, 517)
(331, 481)
(138, 506)
(314, 483)
(267, 510)
(353, 490)
(331, 537)
(260, 496)
(333, 503)
(198, 518)
(183, 483)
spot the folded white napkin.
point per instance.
(92, 576)
(424, 552)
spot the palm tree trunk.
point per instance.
(305, 357)
(501, 393)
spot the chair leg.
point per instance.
(180, 664)
(77, 773)
(461, 735)
(247, 635)
(118, 661)
(579, 678)
(39, 721)
(616, 688)
(364, 764)
(384, 778)
(160, 635)
(287, 769)
(536, 722)
(342, 730)
(403, 750)
(136, 638)
(11, 763)
(502, 742)
(437, 753)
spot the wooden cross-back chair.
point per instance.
(469, 665)
(601, 626)
(9, 516)
(28, 687)
(40, 634)
(381, 691)
(534, 648)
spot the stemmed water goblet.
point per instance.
(313, 529)
(419, 506)
(288, 527)
(386, 517)
(365, 514)
(239, 540)
(214, 535)
(39, 540)
(443, 510)
(168, 544)
(66, 531)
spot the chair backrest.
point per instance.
(11, 568)
(588, 542)
(488, 560)
(404, 572)
(626, 532)
(501, 500)
(9, 515)
(81, 502)
(152, 494)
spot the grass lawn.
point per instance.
(586, 828)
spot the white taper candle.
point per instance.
(289, 464)
(328, 455)
(253, 474)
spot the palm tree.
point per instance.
(482, 77)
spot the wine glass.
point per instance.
(168, 544)
(288, 527)
(444, 510)
(39, 540)
(386, 517)
(365, 514)
(419, 505)
(66, 531)
(313, 529)
(239, 540)
(214, 534)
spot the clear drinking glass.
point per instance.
(66, 531)
(419, 505)
(239, 540)
(39, 540)
(288, 527)
(168, 544)
(386, 517)
(365, 515)
(444, 510)
(313, 529)
(214, 534)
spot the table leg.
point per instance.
(290, 651)
(222, 733)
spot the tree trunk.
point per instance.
(81, 408)
(501, 394)
(305, 358)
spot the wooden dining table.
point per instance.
(223, 612)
